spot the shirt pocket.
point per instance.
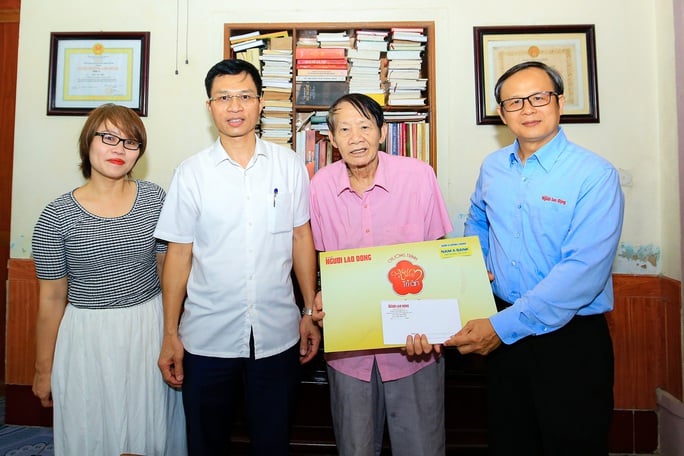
(399, 234)
(280, 213)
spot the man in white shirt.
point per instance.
(236, 219)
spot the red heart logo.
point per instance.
(406, 278)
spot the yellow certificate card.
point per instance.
(376, 296)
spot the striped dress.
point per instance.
(108, 394)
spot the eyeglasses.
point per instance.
(536, 100)
(242, 99)
(113, 140)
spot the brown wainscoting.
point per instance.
(22, 309)
(646, 329)
(21, 407)
(645, 326)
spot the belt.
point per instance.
(501, 305)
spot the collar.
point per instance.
(218, 154)
(547, 155)
(381, 179)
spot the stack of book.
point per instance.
(334, 40)
(321, 75)
(276, 69)
(375, 40)
(321, 64)
(405, 116)
(319, 121)
(307, 38)
(408, 38)
(368, 65)
(404, 67)
(276, 76)
(253, 39)
(313, 120)
(313, 144)
(246, 41)
(271, 55)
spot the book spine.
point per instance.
(321, 66)
(310, 146)
(320, 53)
(322, 153)
(257, 36)
(322, 62)
(321, 78)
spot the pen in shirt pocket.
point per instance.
(275, 193)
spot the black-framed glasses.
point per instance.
(536, 100)
(242, 99)
(113, 140)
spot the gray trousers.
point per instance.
(413, 406)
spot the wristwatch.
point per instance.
(306, 311)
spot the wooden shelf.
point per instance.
(294, 30)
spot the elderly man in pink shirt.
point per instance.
(371, 198)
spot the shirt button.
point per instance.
(513, 263)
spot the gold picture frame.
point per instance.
(570, 49)
(88, 69)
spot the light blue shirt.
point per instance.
(549, 230)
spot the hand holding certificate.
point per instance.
(374, 297)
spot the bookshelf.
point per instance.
(410, 110)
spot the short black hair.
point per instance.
(364, 104)
(555, 76)
(232, 66)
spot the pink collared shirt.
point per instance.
(405, 204)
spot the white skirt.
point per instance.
(108, 393)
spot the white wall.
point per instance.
(636, 83)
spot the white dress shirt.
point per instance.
(240, 222)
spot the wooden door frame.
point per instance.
(9, 49)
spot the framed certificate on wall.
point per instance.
(88, 69)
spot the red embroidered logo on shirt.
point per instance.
(553, 200)
(406, 278)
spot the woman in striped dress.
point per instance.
(100, 312)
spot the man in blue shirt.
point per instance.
(548, 214)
